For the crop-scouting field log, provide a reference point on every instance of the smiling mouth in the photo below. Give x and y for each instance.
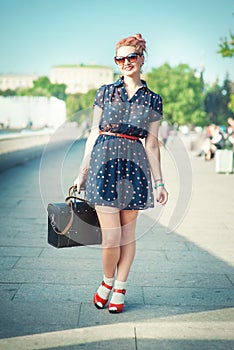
(128, 68)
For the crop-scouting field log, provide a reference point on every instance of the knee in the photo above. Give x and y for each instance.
(111, 239)
(128, 236)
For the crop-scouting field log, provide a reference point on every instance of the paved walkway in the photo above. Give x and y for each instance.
(180, 291)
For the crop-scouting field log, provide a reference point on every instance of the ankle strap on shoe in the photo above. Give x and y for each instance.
(106, 285)
(122, 291)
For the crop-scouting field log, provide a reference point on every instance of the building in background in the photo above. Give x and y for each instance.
(81, 78)
(17, 112)
(16, 81)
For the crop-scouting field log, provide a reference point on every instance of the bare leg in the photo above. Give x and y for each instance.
(109, 219)
(128, 243)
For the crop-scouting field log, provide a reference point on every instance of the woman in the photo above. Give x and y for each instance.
(117, 174)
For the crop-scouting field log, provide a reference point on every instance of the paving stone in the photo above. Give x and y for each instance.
(74, 338)
(158, 344)
(54, 293)
(76, 265)
(231, 278)
(30, 203)
(63, 293)
(102, 345)
(30, 317)
(151, 254)
(23, 242)
(157, 245)
(133, 312)
(186, 256)
(51, 276)
(219, 267)
(84, 252)
(20, 251)
(188, 296)
(8, 291)
(189, 333)
(30, 213)
(7, 262)
(171, 279)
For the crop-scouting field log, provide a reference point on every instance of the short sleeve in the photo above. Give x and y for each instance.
(99, 99)
(156, 108)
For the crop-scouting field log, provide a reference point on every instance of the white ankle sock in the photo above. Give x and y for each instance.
(104, 292)
(118, 298)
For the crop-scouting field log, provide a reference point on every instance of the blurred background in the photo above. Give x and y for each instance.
(55, 54)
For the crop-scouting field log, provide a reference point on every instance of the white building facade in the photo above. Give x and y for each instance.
(20, 111)
(81, 78)
(13, 82)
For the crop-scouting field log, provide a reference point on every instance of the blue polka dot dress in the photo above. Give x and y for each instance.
(119, 174)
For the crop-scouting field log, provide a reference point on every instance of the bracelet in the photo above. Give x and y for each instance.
(159, 185)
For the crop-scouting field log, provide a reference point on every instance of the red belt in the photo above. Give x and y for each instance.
(124, 136)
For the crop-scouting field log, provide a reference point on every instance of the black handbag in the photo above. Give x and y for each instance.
(73, 223)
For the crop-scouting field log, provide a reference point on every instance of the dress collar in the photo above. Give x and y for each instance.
(120, 82)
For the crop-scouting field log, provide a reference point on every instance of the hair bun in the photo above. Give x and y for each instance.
(138, 37)
(135, 40)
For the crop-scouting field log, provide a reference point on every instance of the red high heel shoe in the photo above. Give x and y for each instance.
(116, 308)
(98, 301)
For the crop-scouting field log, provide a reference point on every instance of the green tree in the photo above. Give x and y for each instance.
(58, 90)
(43, 87)
(39, 91)
(226, 46)
(77, 104)
(182, 91)
(217, 102)
(7, 92)
(42, 82)
(231, 103)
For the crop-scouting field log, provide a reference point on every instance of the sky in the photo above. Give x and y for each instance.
(38, 34)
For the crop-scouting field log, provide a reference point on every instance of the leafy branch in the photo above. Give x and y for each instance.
(227, 46)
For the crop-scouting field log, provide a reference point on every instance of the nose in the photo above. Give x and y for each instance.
(126, 59)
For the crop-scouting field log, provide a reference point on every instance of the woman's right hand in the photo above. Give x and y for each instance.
(80, 181)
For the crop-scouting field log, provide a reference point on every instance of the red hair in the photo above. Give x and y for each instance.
(135, 40)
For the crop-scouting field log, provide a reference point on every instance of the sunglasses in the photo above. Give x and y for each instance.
(132, 58)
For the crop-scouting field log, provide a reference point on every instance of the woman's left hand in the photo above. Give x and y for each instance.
(162, 195)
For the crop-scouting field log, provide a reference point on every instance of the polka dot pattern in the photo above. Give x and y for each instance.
(119, 173)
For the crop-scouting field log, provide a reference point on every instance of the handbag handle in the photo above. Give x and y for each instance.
(72, 196)
(75, 197)
(72, 215)
(71, 190)
(68, 226)
(69, 223)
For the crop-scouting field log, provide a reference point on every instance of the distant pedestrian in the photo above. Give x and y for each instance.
(164, 132)
(118, 172)
(214, 141)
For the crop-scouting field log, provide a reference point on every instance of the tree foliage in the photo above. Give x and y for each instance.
(182, 92)
(218, 102)
(231, 103)
(7, 92)
(43, 87)
(79, 102)
(226, 46)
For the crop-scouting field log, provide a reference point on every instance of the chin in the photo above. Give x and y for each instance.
(129, 73)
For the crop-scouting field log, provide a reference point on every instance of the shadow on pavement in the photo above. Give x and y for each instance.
(42, 289)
